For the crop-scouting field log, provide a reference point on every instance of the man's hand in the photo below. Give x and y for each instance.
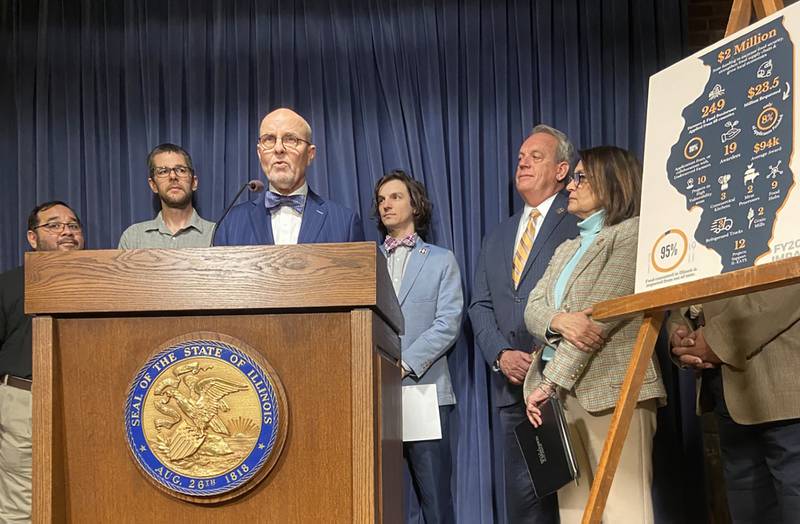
(514, 364)
(532, 406)
(692, 349)
(579, 330)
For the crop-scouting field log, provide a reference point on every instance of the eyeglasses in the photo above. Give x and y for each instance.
(180, 171)
(578, 178)
(58, 227)
(269, 141)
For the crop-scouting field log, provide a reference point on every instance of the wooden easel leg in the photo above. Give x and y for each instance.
(742, 12)
(621, 421)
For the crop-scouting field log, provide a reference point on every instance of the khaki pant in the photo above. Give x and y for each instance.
(629, 500)
(15, 454)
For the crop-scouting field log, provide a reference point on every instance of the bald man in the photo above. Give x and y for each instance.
(290, 212)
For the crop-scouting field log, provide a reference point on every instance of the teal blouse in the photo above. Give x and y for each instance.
(589, 228)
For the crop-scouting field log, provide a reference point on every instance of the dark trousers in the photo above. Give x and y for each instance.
(761, 463)
(522, 505)
(430, 463)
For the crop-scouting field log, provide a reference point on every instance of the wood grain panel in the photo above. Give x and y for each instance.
(767, 276)
(48, 472)
(312, 480)
(210, 279)
(365, 495)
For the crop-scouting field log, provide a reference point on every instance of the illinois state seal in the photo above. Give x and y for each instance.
(205, 417)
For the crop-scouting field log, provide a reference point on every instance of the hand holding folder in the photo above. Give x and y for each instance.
(547, 449)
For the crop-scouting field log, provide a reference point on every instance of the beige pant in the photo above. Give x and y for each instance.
(15, 454)
(629, 500)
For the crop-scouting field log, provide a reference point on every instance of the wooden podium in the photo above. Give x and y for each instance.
(324, 316)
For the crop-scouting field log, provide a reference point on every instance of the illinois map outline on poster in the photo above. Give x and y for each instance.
(744, 128)
(730, 163)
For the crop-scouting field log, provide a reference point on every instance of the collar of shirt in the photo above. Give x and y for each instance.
(158, 224)
(302, 190)
(591, 225)
(543, 208)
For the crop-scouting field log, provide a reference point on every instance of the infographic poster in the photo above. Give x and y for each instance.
(719, 178)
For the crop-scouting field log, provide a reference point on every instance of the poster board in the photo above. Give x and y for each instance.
(719, 191)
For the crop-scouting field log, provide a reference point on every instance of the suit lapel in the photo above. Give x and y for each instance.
(595, 249)
(509, 241)
(416, 259)
(314, 216)
(558, 210)
(261, 222)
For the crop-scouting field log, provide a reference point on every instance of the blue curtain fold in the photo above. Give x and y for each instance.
(446, 89)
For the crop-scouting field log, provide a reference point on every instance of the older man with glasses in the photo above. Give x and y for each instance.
(177, 225)
(290, 212)
(52, 226)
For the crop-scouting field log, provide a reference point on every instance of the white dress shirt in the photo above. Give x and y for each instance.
(286, 221)
(543, 208)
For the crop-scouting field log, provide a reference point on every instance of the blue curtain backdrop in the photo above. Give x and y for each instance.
(446, 89)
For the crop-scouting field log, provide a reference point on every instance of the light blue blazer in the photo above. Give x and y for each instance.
(432, 303)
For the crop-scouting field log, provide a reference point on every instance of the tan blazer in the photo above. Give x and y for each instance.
(757, 336)
(605, 271)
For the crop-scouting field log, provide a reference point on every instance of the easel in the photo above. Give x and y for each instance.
(654, 304)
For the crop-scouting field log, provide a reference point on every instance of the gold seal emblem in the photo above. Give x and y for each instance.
(206, 417)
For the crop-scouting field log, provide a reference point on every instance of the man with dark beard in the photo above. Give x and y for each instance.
(177, 225)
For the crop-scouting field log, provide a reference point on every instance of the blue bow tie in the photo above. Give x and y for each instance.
(274, 201)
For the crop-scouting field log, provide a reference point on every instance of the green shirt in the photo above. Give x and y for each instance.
(155, 234)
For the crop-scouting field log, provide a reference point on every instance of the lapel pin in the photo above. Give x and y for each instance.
(560, 210)
(423, 250)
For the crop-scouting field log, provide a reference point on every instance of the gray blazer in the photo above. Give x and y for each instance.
(432, 303)
(605, 271)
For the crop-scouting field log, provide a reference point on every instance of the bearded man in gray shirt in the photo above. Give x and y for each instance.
(177, 225)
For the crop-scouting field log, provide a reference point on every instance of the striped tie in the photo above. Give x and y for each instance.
(524, 247)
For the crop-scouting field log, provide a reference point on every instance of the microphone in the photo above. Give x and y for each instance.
(255, 186)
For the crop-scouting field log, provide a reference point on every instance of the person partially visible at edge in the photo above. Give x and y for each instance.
(52, 226)
(512, 259)
(171, 177)
(746, 351)
(289, 212)
(585, 360)
(427, 283)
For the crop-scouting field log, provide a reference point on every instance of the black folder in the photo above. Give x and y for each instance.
(548, 450)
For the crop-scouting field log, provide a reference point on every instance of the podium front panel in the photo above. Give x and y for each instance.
(92, 362)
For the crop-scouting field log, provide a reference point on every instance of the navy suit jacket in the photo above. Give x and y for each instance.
(249, 223)
(497, 309)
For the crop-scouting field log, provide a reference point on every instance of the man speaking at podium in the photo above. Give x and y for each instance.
(290, 212)
(52, 226)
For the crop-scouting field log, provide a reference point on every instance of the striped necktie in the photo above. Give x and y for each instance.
(524, 247)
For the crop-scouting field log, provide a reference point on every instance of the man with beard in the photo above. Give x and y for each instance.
(177, 225)
(290, 212)
(52, 226)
